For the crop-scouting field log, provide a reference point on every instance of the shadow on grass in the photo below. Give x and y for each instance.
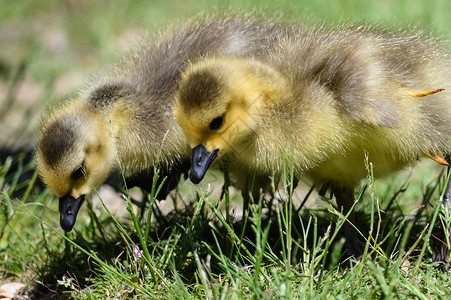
(201, 229)
(195, 230)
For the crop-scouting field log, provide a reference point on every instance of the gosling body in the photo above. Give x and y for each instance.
(322, 101)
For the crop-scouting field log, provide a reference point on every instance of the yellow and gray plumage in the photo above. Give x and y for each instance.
(320, 101)
(123, 117)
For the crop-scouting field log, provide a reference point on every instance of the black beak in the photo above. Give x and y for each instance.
(201, 160)
(68, 207)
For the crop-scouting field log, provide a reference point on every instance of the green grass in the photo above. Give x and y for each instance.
(198, 250)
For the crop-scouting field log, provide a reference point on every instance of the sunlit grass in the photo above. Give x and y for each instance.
(195, 252)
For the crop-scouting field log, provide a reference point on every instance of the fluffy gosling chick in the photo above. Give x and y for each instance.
(124, 117)
(321, 102)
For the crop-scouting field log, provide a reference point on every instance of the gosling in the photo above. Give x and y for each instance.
(321, 101)
(123, 119)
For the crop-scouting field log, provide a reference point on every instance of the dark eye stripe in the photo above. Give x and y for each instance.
(217, 123)
(78, 172)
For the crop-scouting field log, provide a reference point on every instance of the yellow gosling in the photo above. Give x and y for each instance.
(321, 101)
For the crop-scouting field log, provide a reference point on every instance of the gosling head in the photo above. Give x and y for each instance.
(218, 106)
(74, 156)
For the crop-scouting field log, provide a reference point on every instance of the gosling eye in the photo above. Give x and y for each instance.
(78, 173)
(216, 123)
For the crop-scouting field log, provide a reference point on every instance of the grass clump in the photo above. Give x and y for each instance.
(200, 250)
